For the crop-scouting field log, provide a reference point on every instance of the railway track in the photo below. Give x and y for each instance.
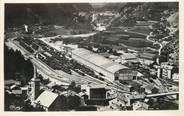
(67, 78)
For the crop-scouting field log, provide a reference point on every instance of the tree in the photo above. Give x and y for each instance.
(28, 107)
(16, 67)
(73, 101)
(73, 87)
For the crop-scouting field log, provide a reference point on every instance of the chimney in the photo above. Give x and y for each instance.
(26, 27)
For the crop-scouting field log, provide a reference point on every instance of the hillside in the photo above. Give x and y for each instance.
(116, 7)
(173, 19)
(164, 26)
(132, 12)
(58, 14)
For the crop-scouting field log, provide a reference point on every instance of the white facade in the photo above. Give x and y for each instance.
(175, 77)
(46, 99)
(166, 71)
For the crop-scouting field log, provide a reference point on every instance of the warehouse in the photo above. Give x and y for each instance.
(99, 64)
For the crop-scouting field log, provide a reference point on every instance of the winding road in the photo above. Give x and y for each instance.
(148, 38)
(156, 42)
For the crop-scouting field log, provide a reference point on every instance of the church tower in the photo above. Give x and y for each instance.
(34, 86)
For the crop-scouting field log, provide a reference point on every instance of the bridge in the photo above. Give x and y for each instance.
(163, 94)
(142, 96)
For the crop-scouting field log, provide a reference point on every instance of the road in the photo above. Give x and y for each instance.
(78, 35)
(156, 42)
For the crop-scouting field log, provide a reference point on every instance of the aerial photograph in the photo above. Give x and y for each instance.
(112, 56)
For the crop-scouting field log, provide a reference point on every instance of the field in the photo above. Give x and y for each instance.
(120, 37)
(137, 42)
(141, 29)
(61, 31)
(126, 38)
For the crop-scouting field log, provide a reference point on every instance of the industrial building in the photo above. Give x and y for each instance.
(98, 94)
(109, 69)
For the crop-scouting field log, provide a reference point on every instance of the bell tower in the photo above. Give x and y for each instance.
(34, 86)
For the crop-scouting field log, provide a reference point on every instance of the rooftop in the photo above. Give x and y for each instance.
(147, 55)
(98, 60)
(46, 98)
(127, 56)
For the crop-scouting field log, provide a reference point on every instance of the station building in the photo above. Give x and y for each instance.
(109, 69)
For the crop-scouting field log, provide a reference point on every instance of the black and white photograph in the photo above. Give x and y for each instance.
(109, 56)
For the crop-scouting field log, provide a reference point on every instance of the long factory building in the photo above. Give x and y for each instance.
(111, 70)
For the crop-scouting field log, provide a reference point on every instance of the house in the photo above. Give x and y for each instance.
(49, 101)
(24, 90)
(51, 84)
(175, 77)
(166, 70)
(130, 98)
(129, 57)
(10, 82)
(149, 89)
(15, 89)
(140, 106)
(146, 58)
(173, 88)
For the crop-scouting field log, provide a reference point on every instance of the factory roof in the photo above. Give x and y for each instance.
(98, 60)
